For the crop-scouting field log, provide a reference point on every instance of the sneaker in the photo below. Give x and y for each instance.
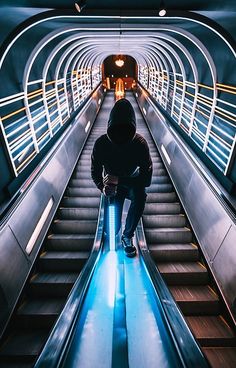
(129, 248)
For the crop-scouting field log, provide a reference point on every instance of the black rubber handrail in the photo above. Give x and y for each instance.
(53, 352)
(187, 347)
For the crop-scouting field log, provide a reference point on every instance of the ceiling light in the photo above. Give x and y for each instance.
(119, 62)
(80, 5)
(162, 9)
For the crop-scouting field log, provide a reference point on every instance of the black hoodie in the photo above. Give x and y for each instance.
(122, 152)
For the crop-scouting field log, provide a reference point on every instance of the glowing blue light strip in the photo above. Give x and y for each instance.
(112, 234)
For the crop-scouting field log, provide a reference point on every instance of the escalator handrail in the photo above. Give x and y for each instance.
(53, 351)
(187, 347)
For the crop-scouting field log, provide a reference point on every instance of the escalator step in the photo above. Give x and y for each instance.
(82, 175)
(169, 235)
(82, 183)
(89, 194)
(78, 213)
(196, 300)
(160, 180)
(24, 344)
(52, 284)
(62, 261)
(70, 242)
(162, 208)
(161, 197)
(155, 221)
(159, 173)
(211, 330)
(74, 226)
(160, 188)
(221, 357)
(158, 165)
(183, 273)
(174, 252)
(79, 201)
(39, 312)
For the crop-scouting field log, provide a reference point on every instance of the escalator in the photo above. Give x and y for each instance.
(66, 250)
(177, 255)
(63, 256)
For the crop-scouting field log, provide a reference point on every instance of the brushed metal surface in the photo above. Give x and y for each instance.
(13, 267)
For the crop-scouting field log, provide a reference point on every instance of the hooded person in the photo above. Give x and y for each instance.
(121, 167)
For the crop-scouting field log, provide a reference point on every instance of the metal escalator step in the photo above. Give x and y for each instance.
(211, 331)
(82, 192)
(174, 252)
(82, 183)
(39, 312)
(162, 208)
(155, 221)
(158, 165)
(169, 235)
(52, 261)
(161, 197)
(82, 175)
(24, 344)
(196, 300)
(52, 283)
(221, 357)
(15, 363)
(84, 161)
(183, 273)
(156, 159)
(82, 168)
(159, 172)
(164, 179)
(74, 226)
(77, 213)
(70, 242)
(160, 188)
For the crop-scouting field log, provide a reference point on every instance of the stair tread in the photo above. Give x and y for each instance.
(71, 236)
(174, 247)
(189, 293)
(221, 357)
(181, 267)
(54, 278)
(41, 306)
(24, 342)
(65, 255)
(168, 229)
(210, 327)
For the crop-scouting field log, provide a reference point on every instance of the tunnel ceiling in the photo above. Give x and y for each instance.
(192, 49)
(200, 5)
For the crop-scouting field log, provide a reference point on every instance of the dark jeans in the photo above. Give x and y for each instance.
(137, 196)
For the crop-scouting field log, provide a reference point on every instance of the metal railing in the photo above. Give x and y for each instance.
(210, 121)
(29, 120)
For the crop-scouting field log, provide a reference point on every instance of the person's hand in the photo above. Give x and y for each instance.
(110, 180)
(109, 190)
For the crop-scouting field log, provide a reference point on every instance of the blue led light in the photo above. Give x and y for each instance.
(112, 234)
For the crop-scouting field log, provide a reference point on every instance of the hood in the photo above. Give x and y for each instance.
(122, 123)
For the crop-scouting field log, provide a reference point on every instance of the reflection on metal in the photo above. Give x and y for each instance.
(119, 89)
(87, 126)
(166, 154)
(39, 226)
(112, 234)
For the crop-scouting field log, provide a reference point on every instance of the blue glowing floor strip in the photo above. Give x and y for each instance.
(112, 234)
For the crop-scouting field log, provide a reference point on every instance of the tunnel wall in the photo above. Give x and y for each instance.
(43, 193)
(213, 223)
